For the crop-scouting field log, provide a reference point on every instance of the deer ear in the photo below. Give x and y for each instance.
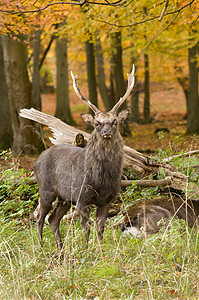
(88, 119)
(123, 115)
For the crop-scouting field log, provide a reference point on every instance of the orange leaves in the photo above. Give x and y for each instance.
(17, 18)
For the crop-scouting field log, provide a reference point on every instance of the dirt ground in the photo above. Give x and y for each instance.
(168, 110)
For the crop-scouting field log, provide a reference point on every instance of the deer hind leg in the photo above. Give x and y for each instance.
(45, 205)
(84, 220)
(54, 220)
(101, 215)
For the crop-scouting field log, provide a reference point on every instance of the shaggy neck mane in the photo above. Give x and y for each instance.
(104, 149)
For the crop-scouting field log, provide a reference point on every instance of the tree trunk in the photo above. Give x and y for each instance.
(101, 76)
(5, 118)
(63, 111)
(36, 75)
(135, 114)
(25, 139)
(118, 78)
(92, 84)
(183, 81)
(193, 99)
(146, 111)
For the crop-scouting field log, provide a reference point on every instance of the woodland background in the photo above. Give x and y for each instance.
(42, 41)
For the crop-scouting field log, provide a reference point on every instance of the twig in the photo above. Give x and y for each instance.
(78, 3)
(164, 10)
(161, 31)
(146, 20)
(193, 152)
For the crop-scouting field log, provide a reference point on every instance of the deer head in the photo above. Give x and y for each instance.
(105, 123)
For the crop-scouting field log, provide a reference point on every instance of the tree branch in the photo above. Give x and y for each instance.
(189, 153)
(78, 3)
(148, 183)
(146, 20)
(161, 32)
(164, 9)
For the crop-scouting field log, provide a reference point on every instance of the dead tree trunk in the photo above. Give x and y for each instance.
(141, 164)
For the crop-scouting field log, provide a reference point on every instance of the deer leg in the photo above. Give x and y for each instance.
(54, 220)
(41, 214)
(45, 205)
(101, 215)
(84, 220)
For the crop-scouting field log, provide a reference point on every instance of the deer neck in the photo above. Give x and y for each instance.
(103, 163)
(104, 149)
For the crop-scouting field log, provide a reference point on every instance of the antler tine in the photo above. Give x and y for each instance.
(77, 91)
(131, 81)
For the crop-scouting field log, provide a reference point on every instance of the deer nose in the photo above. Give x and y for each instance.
(107, 132)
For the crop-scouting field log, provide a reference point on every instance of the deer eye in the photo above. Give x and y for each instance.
(97, 124)
(115, 122)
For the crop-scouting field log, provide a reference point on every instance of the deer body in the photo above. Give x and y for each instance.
(147, 215)
(83, 176)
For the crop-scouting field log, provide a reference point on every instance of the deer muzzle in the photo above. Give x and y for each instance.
(107, 132)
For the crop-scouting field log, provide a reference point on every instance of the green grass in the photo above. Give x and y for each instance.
(162, 266)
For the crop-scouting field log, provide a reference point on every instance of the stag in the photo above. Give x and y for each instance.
(147, 215)
(84, 177)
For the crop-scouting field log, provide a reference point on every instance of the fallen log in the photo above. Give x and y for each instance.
(140, 164)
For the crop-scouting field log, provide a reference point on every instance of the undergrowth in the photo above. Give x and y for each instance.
(161, 266)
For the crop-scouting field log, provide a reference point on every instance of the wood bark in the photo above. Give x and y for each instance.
(135, 114)
(25, 139)
(118, 77)
(5, 118)
(193, 98)
(140, 164)
(101, 76)
(63, 111)
(36, 75)
(146, 111)
(91, 76)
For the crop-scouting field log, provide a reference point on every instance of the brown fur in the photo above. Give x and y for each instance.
(81, 176)
(147, 215)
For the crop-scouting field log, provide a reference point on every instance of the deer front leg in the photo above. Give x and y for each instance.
(101, 216)
(84, 214)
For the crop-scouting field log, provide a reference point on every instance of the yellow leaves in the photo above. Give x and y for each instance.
(15, 22)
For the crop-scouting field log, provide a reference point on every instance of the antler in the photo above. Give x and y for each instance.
(131, 81)
(77, 91)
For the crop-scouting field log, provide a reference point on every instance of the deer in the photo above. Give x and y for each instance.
(84, 177)
(146, 217)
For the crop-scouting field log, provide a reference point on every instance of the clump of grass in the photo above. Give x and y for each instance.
(162, 266)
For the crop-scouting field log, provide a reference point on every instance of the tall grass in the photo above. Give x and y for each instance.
(162, 266)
